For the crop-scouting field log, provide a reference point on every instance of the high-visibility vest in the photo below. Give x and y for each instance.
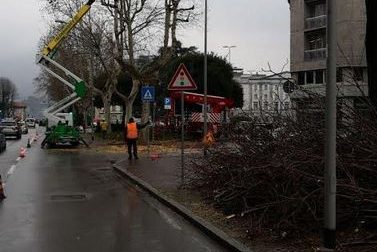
(131, 130)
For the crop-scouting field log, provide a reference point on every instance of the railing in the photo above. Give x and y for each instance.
(316, 22)
(316, 54)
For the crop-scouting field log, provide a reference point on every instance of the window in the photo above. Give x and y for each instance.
(255, 87)
(319, 76)
(315, 40)
(309, 77)
(316, 9)
(358, 74)
(276, 106)
(265, 105)
(255, 105)
(265, 97)
(255, 96)
(265, 87)
(286, 105)
(301, 78)
(339, 75)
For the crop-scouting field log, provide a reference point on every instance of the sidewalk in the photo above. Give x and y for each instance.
(162, 173)
(161, 178)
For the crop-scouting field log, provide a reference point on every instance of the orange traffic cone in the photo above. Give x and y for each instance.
(209, 139)
(22, 152)
(2, 194)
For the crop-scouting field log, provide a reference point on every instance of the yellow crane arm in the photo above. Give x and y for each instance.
(63, 33)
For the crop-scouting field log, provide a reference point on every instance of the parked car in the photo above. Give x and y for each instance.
(30, 122)
(3, 142)
(9, 127)
(23, 127)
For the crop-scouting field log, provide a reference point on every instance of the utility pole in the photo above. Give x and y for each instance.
(329, 230)
(229, 50)
(205, 116)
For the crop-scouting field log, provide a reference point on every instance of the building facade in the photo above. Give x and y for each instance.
(309, 42)
(116, 113)
(19, 110)
(264, 94)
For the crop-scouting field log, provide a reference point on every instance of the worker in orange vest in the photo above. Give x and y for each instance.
(131, 133)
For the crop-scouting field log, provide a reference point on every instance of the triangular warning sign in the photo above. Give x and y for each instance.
(182, 80)
(148, 95)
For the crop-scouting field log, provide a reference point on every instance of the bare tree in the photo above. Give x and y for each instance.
(8, 92)
(138, 25)
(104, 45)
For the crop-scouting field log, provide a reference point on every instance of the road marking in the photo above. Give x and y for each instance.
(18, 159)
(11, 170)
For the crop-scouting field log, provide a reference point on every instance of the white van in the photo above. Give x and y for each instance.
(30, 122)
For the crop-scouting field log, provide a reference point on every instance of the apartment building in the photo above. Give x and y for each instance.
(308, 49)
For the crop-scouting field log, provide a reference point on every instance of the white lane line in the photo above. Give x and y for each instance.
(11, 170)
(18, 159)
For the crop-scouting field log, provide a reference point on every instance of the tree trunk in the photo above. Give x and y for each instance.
(144, 118)
(106, 107)
(174, 25)
(167, 24)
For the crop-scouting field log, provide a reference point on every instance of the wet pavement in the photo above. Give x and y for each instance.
(8, 158)
(163, 173)
(72, 200)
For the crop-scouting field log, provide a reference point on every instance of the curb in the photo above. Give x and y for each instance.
(207, 228)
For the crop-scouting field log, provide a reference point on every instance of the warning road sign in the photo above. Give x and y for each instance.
(147, 94)
(182, 80)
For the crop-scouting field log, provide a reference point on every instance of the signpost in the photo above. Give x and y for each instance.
(167, 103)
(148, 95)
(182, 81)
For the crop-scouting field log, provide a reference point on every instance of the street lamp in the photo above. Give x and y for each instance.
(229, 48)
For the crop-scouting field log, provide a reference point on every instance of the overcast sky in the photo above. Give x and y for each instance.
(258, 28)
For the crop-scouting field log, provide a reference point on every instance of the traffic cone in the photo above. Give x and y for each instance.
(28, 143)
(2, 194)
(22, 152)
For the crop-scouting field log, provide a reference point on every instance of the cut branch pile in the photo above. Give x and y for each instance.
(273, 173)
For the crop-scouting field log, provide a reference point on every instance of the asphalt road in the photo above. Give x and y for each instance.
(72, 200)
(9, 157)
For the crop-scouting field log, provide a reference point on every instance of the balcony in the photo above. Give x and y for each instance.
(316, 22)
(316, 54)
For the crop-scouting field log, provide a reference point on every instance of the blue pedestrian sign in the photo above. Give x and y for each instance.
(147, 94)
(167, 103)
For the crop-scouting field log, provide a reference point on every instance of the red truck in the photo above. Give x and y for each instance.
(218, 110)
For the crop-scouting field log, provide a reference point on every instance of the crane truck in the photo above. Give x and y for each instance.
(60, 128)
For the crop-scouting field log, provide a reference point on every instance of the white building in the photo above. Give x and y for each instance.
(116, 113)
(264, 93)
